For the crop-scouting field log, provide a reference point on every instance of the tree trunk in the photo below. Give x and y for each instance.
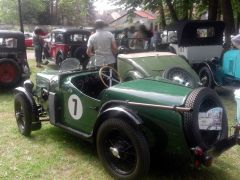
(212, 9)
(51, 12)
(237, 23)
(162, 15)
(172, 10)
(228, 20)
(185, 9)
(219, 11)
(190, 11)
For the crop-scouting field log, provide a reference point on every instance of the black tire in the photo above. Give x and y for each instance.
(59, 59)
(185, 77)
(10, 73)
(202, 100)
(206, 78)
(134, 162)
(81, 55)
(23, 114)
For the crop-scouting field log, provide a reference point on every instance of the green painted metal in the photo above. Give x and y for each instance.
(154, 65)
(164, 125)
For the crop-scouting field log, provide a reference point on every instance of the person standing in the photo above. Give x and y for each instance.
(38, 45)
(102, 44)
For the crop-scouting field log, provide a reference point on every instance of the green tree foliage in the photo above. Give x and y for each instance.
(58, 12)
(8, 11)
(31, 11)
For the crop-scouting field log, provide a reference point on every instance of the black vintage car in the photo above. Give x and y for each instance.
(13, 59)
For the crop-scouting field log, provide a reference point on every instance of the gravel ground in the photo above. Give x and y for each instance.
(30, 54)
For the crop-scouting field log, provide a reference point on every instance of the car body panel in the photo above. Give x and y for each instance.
(137, 90)
(151, 64)
(230, 63)
(195, 55)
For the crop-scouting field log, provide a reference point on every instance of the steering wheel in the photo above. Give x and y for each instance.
(109, 76)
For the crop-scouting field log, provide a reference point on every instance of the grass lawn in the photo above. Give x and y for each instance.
(51, 153)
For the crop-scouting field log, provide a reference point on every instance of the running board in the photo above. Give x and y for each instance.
(75, 132)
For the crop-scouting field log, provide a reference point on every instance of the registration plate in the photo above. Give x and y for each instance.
(210, 120)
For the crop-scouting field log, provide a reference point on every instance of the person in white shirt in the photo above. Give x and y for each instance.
(102, 44)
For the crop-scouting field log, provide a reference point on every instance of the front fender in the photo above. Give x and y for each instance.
(214, 70)
(134, 75)
(32, 102)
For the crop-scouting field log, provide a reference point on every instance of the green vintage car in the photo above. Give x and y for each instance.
(157, 64)
(126, 120)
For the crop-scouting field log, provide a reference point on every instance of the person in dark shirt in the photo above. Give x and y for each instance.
(38, 45)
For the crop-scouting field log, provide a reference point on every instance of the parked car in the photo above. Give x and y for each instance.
(28, 39)
(222, 71)
(126, 120)
(196, 40)
(156, 64)
(65, 43)
(144, 62)
(13, 59)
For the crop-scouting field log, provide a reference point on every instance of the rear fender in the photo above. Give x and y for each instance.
(117, 112)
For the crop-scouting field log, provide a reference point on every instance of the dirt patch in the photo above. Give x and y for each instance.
(30, 55)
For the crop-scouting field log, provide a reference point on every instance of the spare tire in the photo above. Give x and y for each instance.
(180, 76)
(10, 73)
(199, 129)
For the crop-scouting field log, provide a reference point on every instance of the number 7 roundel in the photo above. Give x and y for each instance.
(75, 107)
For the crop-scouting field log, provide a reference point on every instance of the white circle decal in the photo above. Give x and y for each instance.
(75, 107)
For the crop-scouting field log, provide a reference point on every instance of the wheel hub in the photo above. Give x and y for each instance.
(115, 152)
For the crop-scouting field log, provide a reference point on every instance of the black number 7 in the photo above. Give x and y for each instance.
(75, 106)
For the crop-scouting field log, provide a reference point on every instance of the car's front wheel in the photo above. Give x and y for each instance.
(122, 149)
(22, 114)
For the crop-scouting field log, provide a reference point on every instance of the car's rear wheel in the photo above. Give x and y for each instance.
(10, 73)
(22, 114)
(181, 76)
(203, 129)
(206, 77)
(122, 149)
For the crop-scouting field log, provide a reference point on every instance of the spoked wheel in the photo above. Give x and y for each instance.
(180, 76)
(109, 76)
(206, 77)
(22, 114)
(10, 73)
(122, 149)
